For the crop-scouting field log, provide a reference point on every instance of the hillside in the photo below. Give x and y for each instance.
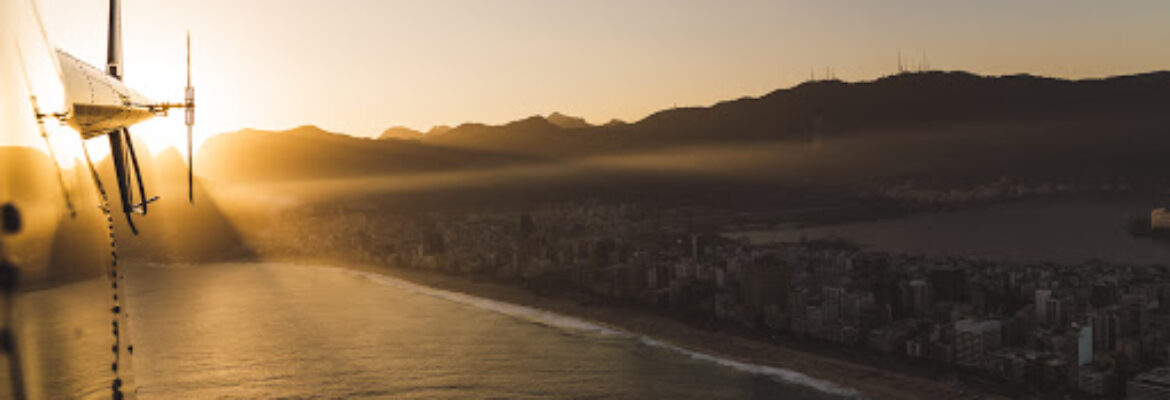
(931, 99)
(945, 128)
(530, 135)
(815, 109)
(400, 132)
(308, 152)
(567, 122)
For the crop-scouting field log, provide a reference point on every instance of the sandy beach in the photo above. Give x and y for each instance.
(871, 381)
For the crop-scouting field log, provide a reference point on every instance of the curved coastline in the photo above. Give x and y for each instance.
(827, 374)
(553, 319)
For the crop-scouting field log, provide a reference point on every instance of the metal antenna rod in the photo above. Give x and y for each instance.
(189, 112)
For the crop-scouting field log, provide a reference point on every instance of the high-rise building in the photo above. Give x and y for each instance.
(1134, 313)
(1042, 296)
(765, 283)
(920, 296)
(1106, 327)
(797, 303)
(833, 298)
(1084, 345)
(974, 339)
(1057, 311)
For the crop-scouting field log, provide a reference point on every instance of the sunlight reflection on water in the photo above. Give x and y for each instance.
(289, 331)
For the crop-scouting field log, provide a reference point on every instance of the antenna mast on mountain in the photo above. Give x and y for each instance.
(901, 68)
(923, 63)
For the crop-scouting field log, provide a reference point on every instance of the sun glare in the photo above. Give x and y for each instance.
(159, 134)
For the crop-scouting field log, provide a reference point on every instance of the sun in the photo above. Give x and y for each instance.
(161, 133)
(157, 135)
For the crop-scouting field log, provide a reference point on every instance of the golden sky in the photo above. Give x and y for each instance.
(360, 66)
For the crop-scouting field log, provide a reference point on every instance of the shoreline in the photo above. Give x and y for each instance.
(556, 320)
(750, 355)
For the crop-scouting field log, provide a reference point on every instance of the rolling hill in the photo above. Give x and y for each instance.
(933, 125)
(308, 152)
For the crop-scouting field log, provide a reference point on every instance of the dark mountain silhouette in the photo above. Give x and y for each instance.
(944, 126)
(438, 130)
(615, 122)
(813, 109)
(567, 122)
(400, 132)
(517, 136)
(907, 101)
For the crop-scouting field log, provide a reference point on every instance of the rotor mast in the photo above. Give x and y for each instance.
(114, 41)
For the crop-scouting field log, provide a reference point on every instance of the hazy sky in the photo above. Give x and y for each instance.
(360, 66)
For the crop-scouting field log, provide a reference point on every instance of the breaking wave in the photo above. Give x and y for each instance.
(560, 321)
(785, 375)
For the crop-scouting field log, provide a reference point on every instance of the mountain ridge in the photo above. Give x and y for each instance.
(567, 122)
(930, 105)
(824, 107)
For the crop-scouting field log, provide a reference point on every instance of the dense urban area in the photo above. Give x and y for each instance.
(1092, 330)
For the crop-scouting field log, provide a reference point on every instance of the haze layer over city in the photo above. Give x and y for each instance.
(615, 200)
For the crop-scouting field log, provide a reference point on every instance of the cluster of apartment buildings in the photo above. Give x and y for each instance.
(1093, 328)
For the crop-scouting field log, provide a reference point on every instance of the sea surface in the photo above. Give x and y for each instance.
(1059, 230)
(272, 330)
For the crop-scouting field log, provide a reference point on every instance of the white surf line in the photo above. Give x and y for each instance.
(561, 321)
(783, 374)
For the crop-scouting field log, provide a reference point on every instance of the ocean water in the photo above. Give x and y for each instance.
(65, 338)
(247, 331)
(1058, 230)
